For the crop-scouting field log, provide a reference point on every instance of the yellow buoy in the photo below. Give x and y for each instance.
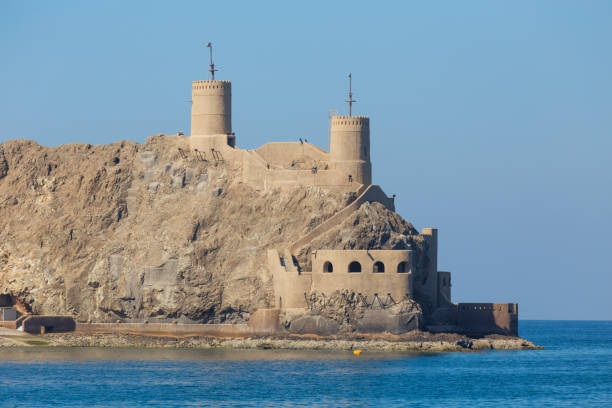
(357, 352)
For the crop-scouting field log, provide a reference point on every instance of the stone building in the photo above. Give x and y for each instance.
(346, 166)
(386, 276)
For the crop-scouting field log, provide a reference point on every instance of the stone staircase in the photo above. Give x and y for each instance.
(365, 193)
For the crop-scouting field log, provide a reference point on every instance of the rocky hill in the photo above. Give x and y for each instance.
(146, 231)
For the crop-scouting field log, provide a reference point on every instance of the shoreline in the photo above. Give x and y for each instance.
(412, 342)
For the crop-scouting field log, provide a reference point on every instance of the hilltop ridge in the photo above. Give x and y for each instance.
(151, 232)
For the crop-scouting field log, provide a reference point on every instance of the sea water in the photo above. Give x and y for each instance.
(574, 370)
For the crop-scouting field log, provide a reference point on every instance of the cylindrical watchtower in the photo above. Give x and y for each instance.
(211, 113)
(350, 148)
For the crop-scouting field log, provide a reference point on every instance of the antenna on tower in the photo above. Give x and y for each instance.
(350, 100)
(212, 69)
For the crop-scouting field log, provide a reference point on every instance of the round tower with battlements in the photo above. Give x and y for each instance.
(211, 114)
(350, 148)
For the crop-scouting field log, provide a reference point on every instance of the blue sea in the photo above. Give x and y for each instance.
(575, 370)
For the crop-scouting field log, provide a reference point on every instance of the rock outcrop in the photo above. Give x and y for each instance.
(3, 164)
(147, 231)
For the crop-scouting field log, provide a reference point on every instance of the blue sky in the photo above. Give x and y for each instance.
(490, 120)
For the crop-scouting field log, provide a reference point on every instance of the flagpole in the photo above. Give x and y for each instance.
(212, 64)
(350, 100)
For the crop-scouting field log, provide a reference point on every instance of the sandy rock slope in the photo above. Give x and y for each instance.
(143, 231)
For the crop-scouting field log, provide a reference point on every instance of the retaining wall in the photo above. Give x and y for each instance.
(264, 321)
(9, 325)
(480, 318)
(217, 330)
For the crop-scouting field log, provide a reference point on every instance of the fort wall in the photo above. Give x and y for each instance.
(428, 283)
(381, 272)
(292, 163)
(9, 324)
(320, 178)
(254, 169)
(444, 289)
(378, 272)
(265, 321)
(289, 283)
(283, 153)
(478, 318)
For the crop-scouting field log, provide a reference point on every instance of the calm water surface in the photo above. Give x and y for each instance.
(574, 370)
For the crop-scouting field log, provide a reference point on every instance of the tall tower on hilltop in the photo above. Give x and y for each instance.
(350, 148)
(211, 112)
(350, 145)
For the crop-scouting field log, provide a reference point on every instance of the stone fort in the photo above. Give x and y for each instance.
(383, 275)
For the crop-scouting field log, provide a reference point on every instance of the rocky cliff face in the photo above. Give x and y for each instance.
(146, 231)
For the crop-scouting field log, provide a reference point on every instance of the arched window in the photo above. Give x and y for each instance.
(402, 267)
(354, 267)
(379, 267)
(328, 267)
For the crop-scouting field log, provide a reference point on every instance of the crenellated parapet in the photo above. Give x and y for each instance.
(351, 121)
(207, 87)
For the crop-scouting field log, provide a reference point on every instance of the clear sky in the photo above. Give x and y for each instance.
(490, 120)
